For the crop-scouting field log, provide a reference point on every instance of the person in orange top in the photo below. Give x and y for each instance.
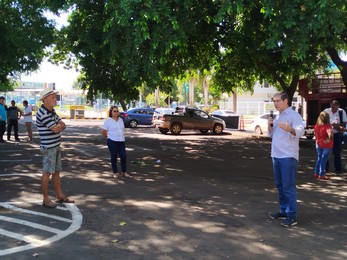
(324, 144)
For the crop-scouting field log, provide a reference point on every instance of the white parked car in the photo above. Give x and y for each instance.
(259, 125)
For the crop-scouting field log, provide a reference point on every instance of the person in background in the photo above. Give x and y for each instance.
(27, 114)
(50, 127)
(300, 110)
(13, 115)
(285, 130)
(338, 120)
(344, 137)
(323, 132)
(3, 118)
(113, 131)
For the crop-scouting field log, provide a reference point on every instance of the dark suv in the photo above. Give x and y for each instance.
(137, 116)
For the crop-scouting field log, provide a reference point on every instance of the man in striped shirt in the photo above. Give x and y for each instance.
(50, 126)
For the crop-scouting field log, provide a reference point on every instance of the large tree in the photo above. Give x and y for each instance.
(24, 34)
(319, 26)
(253, 50)
(123, 44)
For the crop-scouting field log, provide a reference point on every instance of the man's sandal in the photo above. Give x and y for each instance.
(65, 200)
(49, 204)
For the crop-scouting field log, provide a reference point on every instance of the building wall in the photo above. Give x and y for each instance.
(258, 102)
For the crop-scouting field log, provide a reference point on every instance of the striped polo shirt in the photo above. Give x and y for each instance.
(45, 119)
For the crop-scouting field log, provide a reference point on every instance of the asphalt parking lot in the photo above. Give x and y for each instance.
(192, 196)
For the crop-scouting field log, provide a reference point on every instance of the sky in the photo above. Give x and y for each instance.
(50, 73)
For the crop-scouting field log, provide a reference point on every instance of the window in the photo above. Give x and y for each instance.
(200, 114)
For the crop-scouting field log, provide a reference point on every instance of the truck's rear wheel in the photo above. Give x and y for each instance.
(217, 129)
(176, 129)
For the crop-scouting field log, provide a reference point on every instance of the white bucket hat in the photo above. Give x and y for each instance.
(46, 92)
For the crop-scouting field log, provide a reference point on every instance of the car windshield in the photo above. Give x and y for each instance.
(198, 113)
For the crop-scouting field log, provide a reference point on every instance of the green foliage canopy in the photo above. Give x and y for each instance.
(24, 34)
(124, 44)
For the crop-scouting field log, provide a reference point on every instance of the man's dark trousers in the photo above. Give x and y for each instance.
(2, 129)
(14, 123)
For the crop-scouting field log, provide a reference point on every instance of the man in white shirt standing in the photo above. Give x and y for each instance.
(28, 119)
(338, 120)
(285, 130)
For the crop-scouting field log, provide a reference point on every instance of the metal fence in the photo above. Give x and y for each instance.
(248, 108)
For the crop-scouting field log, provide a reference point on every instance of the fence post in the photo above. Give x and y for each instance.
(242, 124)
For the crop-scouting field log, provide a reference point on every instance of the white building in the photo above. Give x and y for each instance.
(256, 103)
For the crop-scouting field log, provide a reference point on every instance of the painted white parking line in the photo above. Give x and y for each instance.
(32, 242)
(28, 239)
(10, 151)
(20, 174)
(8, 205)
(17, 160)
(30, 224)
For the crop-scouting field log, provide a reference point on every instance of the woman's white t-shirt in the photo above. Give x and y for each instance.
(28, 118)
(115, 129)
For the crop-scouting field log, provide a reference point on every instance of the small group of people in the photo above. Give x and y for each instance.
(10, 116)
(50, 126)
(329, 130)
(286, 130)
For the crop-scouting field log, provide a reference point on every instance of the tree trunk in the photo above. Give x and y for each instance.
(124, 106)
(205, 87)
(290, 90)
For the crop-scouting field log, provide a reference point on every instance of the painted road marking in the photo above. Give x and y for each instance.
(30, 224)
(19, 174)
(10, 151)
(14, 160)
(17, 160)
(31, 240)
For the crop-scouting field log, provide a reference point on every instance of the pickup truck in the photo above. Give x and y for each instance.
(193, 119)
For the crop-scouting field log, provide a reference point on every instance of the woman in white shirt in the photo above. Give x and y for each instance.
(113, 131)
